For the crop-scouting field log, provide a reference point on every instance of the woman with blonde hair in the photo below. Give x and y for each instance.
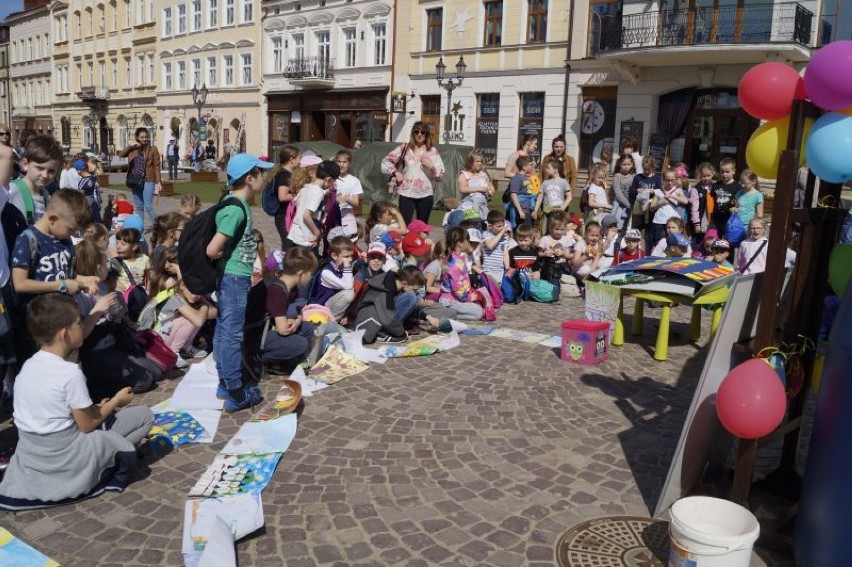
(413, 167)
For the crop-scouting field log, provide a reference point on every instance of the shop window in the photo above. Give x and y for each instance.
(531, 121)
(431, 114)
(487, 126)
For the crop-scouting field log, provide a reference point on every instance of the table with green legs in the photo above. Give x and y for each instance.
(715, 298)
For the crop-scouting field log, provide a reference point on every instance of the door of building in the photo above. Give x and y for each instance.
(717, 128)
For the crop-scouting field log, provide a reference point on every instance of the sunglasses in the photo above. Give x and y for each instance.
(5, 133)
(415, 132)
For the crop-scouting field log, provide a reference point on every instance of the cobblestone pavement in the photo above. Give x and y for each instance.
(483, 455)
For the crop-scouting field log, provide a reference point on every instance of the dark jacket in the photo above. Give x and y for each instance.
(376, 311)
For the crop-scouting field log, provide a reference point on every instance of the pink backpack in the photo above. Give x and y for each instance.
(290, 214)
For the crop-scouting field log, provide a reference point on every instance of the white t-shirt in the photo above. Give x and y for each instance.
(349, 185)
(667, 211)
(308, 199)
(558, 247)
(69, 179)
(46, 391)
(5, 271)
(599, 193)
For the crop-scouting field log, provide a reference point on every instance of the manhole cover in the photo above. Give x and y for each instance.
(616, 541)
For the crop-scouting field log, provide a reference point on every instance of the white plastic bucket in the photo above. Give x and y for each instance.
(711, 532)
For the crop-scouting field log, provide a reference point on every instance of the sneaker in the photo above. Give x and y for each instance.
(181, 363)
(390, 339)
(221, 392)
(251, 397)
(192, 352)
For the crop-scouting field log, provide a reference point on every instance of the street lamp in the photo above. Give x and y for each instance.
(449, 84)
(199, 98)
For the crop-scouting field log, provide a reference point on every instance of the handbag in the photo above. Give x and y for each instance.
(156, 349)
(136, 172)
(393, 184)
(135, 296)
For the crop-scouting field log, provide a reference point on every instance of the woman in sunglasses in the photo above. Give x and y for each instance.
(5, 136)
(412, 168)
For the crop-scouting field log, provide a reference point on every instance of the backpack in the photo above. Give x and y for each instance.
(148, 318)
(290, 215)
(515, 286)
(735, 231)
(135, 296)
(200, 273)
(543, 291)
(269, 199)
(584, 201)
(27, 198)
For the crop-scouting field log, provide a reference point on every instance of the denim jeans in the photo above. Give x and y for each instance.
(404, 305)
(228, 339)
(289, 347)
(143, 199)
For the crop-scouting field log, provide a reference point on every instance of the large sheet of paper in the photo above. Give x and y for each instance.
(230, 475)
(197, 390)
(335, 365)
(602, 303)
(242, 513)
(309, 385)
(260, 437)
(15, 552)
(220, 550)
(208, 418)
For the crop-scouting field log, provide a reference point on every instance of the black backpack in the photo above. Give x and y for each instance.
(200, 273)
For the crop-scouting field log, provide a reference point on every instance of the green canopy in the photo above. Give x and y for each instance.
(367, 166)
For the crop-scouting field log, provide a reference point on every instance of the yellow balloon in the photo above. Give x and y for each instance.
(766, 144)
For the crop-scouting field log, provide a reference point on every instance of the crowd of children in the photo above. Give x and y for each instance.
(79, 279)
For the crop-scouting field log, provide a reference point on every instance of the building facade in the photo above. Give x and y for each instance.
(328, 70)
(217, 44)
(5, 98)
(513, 54)
(30, 57)
(104, 81)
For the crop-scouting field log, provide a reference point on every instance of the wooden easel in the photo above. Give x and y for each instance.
(819, 227)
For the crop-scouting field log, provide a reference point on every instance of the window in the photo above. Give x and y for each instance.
(212, 13)
(487, 122)
(102, 73)
(122, 131)
(277, 55)
(91, 69)
(181, 18)
(114, 65)
(128, 21)
(298, 46)
(101, 19)
(349, 44)
(151, 69)
(531, 120)
(127, 74)
(114, 9)
(196, 15)
(434, 24)
(323, 45)
(181, 70)
(91, 19)
(140, 71)
(141, 18)
(167, 76)
(196, 72)
(246, 65)
(493, 22)
(167, 22)
(248, 11)
(211, 71)
(431, 113)
(380, 44)
(537, 21)
(228, 64)
(229, 12)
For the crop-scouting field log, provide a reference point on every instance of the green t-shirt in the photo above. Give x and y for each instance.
(228, 221)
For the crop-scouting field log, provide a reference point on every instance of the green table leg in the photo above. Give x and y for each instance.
(661, 350)
(618, 332)
(717, 319)
(695, 324)
(638, 317)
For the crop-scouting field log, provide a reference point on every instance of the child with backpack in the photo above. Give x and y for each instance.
(237, 250)
(521, 204)
(43, 159)
(523, 266)
(277, 194)
(177, 315)
(456, 290)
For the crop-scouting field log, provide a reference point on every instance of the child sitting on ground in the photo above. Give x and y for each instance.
(678, 245)
(165, 234)
(177, 315)
(390, 299)
(588, 252)
(335, 285)
(555, 249)
(384, 217)
(189, 206)
(496, 239)
(456, 290)
(523, 267)
(720, 249)
(68, 447)
(674, 225)
(631, 249)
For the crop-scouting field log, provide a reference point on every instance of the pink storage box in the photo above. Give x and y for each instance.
(584, 341)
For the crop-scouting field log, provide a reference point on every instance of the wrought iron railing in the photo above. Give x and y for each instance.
(757, 23)
(93, 93)
(310, 68)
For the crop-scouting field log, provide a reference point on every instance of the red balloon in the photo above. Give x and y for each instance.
(751, 400)
(767, 90)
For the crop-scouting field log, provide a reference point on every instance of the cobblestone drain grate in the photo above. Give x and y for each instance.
(616, 541)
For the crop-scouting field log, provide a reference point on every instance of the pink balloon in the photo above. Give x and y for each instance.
(828, 77)
(751, 401)
(767, 90)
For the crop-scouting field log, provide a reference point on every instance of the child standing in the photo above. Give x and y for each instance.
(641, 191)
(336, 286)
(749, 199)
(557, 193)
(349, 193)
(245, 175)
(41, 164)
(67, 443)
(622, 181)
(306, 228)
(699, 209)
(522, 205)
(751, 257)
(456, 290)
(598, 203)
(724, 195)
(475, 187)
(664, 204)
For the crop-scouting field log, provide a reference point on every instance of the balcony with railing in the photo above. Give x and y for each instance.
(310, 71)
(671, 37)
(93, 94)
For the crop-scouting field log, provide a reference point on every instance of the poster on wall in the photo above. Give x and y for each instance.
(532, 120)
(597, 125)
(487, 127)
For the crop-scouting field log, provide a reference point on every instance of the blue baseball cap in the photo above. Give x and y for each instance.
(134, 221)
(241, 164)
(677, 239)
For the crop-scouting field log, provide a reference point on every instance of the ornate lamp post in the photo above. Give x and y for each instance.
(449, 84)
(199, 99)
